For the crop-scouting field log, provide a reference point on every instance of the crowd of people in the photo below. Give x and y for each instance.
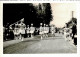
(21, 30)
(70, 33)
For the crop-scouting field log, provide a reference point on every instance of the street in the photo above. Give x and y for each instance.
(56, 44)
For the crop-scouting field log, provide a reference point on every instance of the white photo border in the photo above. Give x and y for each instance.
(39, 55)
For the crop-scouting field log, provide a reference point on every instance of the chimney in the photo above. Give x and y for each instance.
(72, 14)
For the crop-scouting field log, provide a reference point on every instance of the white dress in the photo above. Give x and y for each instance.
(28, 30)
(65, 33)
(44, 29)
(32, 30)
(22, 28)
(47, 29)
(52, 30)
(16, 31)
(41, 30)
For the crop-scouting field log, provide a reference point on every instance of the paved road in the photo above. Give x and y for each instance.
(55, 44)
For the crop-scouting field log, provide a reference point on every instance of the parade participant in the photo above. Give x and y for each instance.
(47, 30)
(28, 30)
(16, 31)
(70, 34)
(53, 30)
(61, 31)
(32, 29)
(41, 30)
(22, 29)
(44, 31)
(66, 31)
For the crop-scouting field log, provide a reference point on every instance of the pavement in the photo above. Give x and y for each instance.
(55, 44)
(11, 42)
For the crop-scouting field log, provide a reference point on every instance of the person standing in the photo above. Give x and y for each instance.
(66, 32)
(70, 34)
(16, 31)
(53, 30)
(32, 29)
(41, 31)
(44, 31)
(11, 33)
(47, 30)
(74, 32)
(22, 29)
(28, 30)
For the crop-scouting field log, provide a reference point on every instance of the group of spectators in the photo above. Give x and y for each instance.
(70, 33)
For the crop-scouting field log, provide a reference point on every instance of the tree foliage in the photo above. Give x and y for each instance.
(70, 23)
(32, 14)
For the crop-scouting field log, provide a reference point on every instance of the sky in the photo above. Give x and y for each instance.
(62, 13)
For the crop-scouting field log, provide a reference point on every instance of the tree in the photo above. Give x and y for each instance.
(48, 13)
(14, 12)
(31, 14)
(44, 13)
(70, 23)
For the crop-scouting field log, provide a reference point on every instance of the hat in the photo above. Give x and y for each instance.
(40, 23)
(31, 24)
(46, 25)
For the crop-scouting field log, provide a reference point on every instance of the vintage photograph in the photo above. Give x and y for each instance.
(38, 28)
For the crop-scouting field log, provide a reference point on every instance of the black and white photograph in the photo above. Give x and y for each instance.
(39, 28)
